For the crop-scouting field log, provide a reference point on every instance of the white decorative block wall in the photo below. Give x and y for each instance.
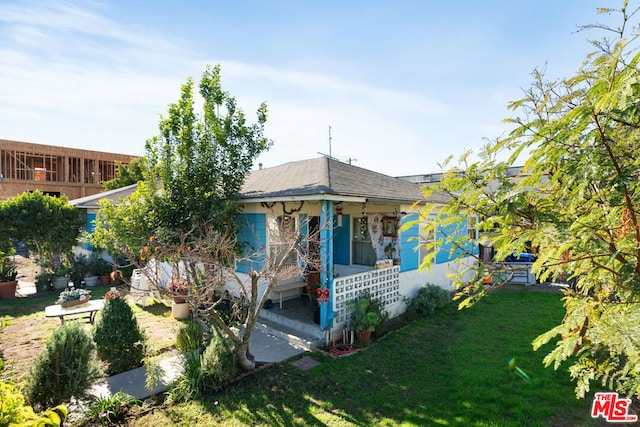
(383, 284)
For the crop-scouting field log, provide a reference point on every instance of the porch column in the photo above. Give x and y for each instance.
(326, 260)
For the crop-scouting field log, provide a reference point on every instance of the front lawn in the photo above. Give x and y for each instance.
(450, 369)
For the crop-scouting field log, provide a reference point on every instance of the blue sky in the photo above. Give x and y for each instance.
(402, 84)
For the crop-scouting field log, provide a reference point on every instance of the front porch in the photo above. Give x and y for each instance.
(295, 319)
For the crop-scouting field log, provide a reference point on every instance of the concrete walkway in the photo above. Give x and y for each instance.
(266, 347)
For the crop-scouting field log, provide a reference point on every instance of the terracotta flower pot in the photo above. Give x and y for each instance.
(363, 336)
(8, 289)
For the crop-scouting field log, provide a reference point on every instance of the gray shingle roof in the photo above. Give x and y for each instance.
(92, 202)
(314, 178)
(323, 176)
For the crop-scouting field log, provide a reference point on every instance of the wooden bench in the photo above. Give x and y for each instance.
(89, 308)
(281, 288)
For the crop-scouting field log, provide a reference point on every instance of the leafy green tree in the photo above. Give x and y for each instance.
(129, 174)
(196, 168)
(48, 223)
(575, 205)
(202, 160)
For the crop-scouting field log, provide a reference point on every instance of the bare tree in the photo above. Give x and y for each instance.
(206, 262)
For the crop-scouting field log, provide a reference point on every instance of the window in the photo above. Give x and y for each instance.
(363, 253)
(280, 234)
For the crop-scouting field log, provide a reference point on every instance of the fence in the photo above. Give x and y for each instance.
(383, 284)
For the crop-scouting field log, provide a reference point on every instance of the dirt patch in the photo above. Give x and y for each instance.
(23, 339)
(28, 268)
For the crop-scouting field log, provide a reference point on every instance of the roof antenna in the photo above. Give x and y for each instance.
(330, 157)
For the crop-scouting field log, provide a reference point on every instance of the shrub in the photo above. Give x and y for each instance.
(65, 369)
(120, 341)
(112, 409)
(190, 337)
(205, 371)
(427, 300)
(219, 363)
(14, 411)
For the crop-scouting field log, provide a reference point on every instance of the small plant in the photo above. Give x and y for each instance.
(65, 369)
(63, 268)
(427, 300)
(153, 375)
(178, 286)
(190, 384)
(190, 337)
(118, 337)
(80, 265)
(8, 272)
(362, 316)
(111, 409)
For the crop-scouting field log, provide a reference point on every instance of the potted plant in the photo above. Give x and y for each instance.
(91, 276)
(8, 282)
(73, 296)
(62, 271)
(179, 288)
(363, 319)
(103, 269)
(43, 282)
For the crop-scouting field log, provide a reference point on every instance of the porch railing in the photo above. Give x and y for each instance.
(383, 284)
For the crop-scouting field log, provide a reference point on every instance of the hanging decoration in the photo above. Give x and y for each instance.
(323, 295)
(292, 211)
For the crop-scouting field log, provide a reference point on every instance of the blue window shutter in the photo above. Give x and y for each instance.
(409, 253)
(91, 225)
(342, 240)
(253, 238)
(444, 234)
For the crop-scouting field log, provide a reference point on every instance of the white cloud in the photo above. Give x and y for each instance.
(72, 76)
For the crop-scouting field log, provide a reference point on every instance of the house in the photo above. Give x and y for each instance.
(358, 213)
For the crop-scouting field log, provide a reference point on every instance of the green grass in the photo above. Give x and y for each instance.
(450, 369)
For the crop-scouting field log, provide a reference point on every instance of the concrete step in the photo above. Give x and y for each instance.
(293, 332)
